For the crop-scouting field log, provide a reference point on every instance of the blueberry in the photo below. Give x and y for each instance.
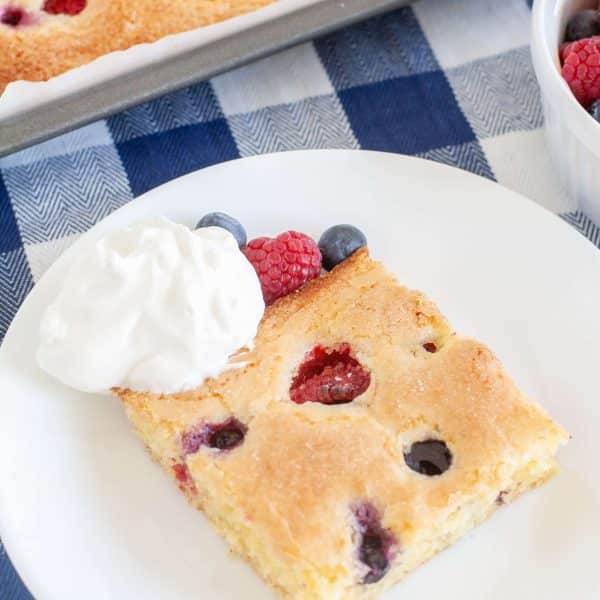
(376, 545)
(218, 219)
(583, 24)
(226, 438)
(338, 243)
(594, 110)
(429, 457)
(372, 553)
(221, 436)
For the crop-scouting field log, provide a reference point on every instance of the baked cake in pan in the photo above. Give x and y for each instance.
(43, 38)
(359, 437)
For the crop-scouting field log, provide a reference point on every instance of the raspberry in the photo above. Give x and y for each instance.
(563, 51)
(581, 69)
(330, 377)
(13, 16)
(183, 477)
(285, 263)
(181, 472)
(64, 7)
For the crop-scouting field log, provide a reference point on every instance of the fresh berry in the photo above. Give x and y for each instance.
(284, 263)
(64, 7)
(581, 69)
(219, 219)
(220, 436)
(429, 457)
(583, 24)
(329, 376)
(563, 51)
(376, 545)
(338, 243)
(594, 110)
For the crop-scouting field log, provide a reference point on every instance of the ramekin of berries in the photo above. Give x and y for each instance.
(565, 47)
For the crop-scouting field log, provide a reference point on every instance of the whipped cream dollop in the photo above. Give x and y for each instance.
(156, 307)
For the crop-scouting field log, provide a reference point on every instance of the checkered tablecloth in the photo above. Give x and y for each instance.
(448, 80)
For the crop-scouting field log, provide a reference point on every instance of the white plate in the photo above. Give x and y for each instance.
(84, 512)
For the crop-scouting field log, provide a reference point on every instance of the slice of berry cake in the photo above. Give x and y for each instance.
(43, 38)
(358, 438)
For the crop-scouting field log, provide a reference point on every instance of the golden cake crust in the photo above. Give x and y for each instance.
(284, 497)
(53, 44)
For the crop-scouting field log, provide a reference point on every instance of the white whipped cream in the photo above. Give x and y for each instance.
(155, 307)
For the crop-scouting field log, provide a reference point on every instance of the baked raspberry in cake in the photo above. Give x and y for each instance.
(359, 437)
(43, 38)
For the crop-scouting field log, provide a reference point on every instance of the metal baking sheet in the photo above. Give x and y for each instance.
(205, 61)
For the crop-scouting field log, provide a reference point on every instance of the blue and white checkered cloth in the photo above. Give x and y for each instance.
(451, 81)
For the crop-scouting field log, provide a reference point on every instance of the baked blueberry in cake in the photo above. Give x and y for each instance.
(358, 436)
(43, 38)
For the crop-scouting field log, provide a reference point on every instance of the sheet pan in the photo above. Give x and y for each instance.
(33, 112)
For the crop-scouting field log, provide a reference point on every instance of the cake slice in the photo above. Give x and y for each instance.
(358, 438)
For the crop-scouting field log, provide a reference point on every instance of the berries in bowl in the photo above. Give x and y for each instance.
(580, 57)
(565, 48)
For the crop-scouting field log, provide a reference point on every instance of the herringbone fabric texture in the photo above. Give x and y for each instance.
(447, 80)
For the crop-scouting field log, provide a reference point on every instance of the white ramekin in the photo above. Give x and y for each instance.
(573, 135)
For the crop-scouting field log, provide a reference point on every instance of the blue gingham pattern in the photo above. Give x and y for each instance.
(448, 81)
